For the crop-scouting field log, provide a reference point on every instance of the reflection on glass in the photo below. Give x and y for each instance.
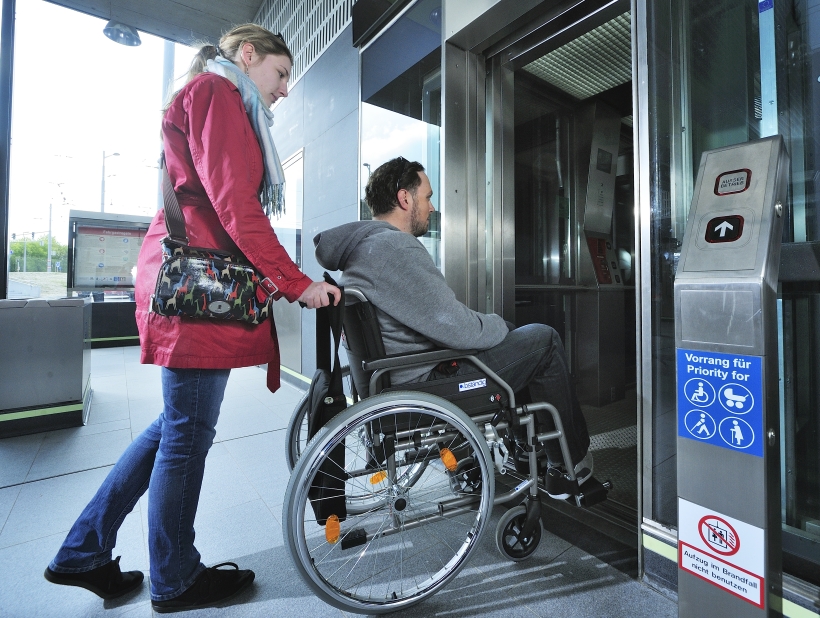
(401, 103)
(61, 129)
(714, 72)
(288, 226)
(574, 247)
(704, 93)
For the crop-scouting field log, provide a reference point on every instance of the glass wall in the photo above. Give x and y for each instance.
(85, 135)
(288, 228)
(401, 103)
(721, 73)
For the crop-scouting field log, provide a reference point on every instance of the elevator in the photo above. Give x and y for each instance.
(560, 241)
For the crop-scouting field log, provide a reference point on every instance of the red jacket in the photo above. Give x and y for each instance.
(215, 165)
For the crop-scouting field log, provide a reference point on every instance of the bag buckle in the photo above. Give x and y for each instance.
(269, 286)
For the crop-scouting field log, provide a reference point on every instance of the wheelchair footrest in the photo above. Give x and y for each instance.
(591, 492)
(558, 484)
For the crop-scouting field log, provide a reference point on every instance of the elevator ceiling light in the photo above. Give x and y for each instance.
(594, 62)
(122, 33)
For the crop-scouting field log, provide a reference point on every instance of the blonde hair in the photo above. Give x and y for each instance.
(263, 40)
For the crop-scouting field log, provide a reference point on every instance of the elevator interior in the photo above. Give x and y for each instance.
(575, 229)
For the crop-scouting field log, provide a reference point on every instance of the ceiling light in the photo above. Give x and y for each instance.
(122, 33)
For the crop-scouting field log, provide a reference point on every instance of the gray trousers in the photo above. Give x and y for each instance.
(532, 357)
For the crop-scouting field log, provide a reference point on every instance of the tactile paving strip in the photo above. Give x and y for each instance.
(625, 437)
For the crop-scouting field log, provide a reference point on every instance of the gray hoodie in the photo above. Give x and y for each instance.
(417, 310)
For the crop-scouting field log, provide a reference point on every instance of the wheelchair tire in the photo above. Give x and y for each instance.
(508, 535)
(417, 538)
(296, 436)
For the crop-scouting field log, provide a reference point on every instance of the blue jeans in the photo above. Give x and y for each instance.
(168, 459)
(532, 357)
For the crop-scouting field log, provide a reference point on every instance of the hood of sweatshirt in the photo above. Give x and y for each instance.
(334, 246)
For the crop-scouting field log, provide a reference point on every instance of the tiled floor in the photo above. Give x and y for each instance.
(46, 479)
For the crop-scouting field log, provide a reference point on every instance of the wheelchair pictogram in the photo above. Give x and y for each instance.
(736, 398)
(700, 424)
(699, 392)
(736, 432)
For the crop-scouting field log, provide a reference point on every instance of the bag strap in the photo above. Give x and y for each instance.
(174, 221)
(175, 226)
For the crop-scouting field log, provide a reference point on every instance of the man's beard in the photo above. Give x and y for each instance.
(418, 225)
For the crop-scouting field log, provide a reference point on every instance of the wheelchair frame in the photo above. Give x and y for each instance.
(519, 530)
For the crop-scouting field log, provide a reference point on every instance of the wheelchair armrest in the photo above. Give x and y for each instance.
(418, 358)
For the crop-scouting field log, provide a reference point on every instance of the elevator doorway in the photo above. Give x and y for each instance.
(567, 128)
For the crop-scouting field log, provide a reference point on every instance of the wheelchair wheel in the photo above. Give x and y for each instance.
(417, 535)
(296, 437)
(508, 537)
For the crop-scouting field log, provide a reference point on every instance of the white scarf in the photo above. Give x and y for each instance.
(261, 117)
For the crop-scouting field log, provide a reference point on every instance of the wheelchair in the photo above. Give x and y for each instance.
(418, 476)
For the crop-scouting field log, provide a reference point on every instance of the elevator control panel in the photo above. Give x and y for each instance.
(604, 261)
(728, 442)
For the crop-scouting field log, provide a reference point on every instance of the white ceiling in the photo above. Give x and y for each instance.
(183, 21)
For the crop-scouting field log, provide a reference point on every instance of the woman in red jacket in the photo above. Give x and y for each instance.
(229, 181)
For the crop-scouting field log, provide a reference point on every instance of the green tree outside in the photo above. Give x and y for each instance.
(36, 254)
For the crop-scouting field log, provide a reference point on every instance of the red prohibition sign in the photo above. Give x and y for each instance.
(719, 535)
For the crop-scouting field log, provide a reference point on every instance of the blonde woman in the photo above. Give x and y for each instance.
(228, 179)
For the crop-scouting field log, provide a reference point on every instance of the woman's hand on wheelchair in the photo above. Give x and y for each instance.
(319, 294)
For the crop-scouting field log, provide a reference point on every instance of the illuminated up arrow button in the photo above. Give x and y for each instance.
(724, 229)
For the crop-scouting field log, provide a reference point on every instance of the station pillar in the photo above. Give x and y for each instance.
(728, 457)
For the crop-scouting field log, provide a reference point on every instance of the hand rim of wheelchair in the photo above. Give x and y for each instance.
(297, 504)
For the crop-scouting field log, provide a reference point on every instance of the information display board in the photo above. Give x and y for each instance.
(106, 257)
(103, 249)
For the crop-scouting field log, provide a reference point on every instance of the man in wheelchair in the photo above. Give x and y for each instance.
(417, 311)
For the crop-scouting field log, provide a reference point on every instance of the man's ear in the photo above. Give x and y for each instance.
(404, 199)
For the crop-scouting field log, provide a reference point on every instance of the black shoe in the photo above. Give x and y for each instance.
(521, 460)
(210, 588)
(106, 581)
(557, 481)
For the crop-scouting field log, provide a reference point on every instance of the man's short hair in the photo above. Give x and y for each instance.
(386, 181)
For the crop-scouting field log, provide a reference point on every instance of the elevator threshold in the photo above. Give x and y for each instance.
(613, 519)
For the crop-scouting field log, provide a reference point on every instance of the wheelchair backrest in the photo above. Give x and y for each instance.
(364, 343)
(363, 338)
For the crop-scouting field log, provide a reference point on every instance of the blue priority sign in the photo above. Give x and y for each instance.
(720, 400)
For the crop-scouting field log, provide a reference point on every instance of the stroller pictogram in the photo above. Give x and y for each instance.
(736, 398)
(734, 401)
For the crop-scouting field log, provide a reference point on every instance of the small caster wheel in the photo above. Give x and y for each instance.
(508, 535)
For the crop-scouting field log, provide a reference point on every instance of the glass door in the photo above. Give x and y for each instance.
(561, 115)
(722, 73)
